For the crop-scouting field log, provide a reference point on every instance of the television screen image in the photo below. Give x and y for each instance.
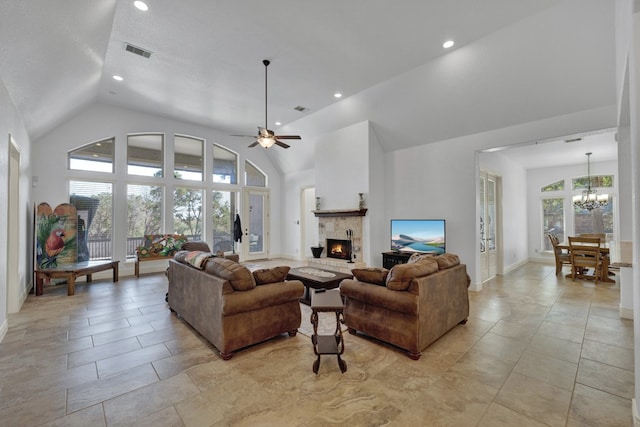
(418, 235)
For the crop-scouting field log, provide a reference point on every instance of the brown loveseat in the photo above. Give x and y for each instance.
(229, 305)
(409, 306)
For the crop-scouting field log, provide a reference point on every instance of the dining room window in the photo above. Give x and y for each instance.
(552, 220)
(597, 221)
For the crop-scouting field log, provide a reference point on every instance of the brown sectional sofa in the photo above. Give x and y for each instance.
(219, 298)
(409, 306)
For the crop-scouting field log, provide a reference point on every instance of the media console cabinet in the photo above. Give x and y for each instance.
(391, 258)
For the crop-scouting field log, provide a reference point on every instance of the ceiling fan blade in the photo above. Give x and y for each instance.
(245, 136)
(254, 144)
(282, 144)
(288, 136)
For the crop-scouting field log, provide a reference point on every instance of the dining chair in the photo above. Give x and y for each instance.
(585, 253)
(601, 236)
(561, 256)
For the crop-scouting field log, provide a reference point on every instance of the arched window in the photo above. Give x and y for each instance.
(94, 157)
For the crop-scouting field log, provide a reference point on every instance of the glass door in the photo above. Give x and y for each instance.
(488, 229)
(255, 224)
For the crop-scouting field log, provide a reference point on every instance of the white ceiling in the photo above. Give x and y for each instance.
(559, 152)
(514, 61)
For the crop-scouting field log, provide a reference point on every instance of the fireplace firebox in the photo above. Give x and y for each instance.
(340, 249)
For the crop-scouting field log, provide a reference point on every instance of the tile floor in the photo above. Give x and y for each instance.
(538, 350)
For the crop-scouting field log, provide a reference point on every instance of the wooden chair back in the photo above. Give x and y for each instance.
(601, 236)
(585, 253)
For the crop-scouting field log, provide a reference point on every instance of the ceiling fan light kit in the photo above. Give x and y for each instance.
(266, 137)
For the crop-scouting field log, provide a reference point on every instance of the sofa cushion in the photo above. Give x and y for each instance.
(198, 245)
(265, 276)
(377, 276)
(447, 261)
(378, 296)
(262, 296)
(400, 275)
(418, 256)
(238, 275)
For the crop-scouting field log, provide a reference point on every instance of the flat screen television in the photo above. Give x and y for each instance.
(418, 235)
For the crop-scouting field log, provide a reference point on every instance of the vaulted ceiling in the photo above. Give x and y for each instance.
(513, 61)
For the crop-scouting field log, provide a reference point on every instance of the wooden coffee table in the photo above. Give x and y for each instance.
(317, 279)
(71, 271)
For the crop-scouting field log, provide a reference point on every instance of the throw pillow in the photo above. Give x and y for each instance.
(447, 261)
(238, 275)
(198, 258)
(377, 276)
(401, 275)
(265, 276)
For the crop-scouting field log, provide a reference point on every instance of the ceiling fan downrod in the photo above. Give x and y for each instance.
(266, 63)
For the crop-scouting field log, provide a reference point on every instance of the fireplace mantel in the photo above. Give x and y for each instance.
(341, 212)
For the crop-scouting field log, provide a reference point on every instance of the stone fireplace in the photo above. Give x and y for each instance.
(339, 249)
(334, 226)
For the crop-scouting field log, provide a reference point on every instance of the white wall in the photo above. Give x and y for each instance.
(12, 124)
(101, 121)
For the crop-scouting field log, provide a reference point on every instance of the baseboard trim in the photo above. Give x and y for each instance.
(626, 313)
(3, 329)
(475, 287)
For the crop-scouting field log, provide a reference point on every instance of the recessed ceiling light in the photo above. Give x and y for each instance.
(448, 44)
(337, 95)
(118, 78)
(141, 5)
(278, 123)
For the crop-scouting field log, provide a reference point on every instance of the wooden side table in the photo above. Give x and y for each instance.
(327, 301)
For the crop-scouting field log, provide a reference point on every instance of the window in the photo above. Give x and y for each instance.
(597, 221)
(94, 157)
(187, 158)
(223, 210)
(556, 186)
(94, 204)
(144, 214)
(145, 154)
(225, 165)
(253, 176)
(187, 213)
(602, 181)
(552, 220)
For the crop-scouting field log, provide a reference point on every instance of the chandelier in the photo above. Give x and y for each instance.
(589, 200)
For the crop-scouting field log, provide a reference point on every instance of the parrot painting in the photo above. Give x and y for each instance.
(55, 244)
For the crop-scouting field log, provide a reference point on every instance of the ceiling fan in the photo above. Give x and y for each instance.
(266, 137)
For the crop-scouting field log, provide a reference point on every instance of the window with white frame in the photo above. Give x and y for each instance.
(144, 214)
(225, 165)
(187, 212)
(552, 220)
(188, 158)
(223, 210)
(94, 204)
(94, 157)
(254, 176)
(145, 154)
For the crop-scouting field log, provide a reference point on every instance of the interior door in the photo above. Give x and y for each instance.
(488, 226)
(255, 224)
(15, 294)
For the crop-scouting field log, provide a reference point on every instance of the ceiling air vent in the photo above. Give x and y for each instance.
(301, 108)
(137, 50)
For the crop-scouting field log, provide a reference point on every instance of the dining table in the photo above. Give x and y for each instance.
(604, 271)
